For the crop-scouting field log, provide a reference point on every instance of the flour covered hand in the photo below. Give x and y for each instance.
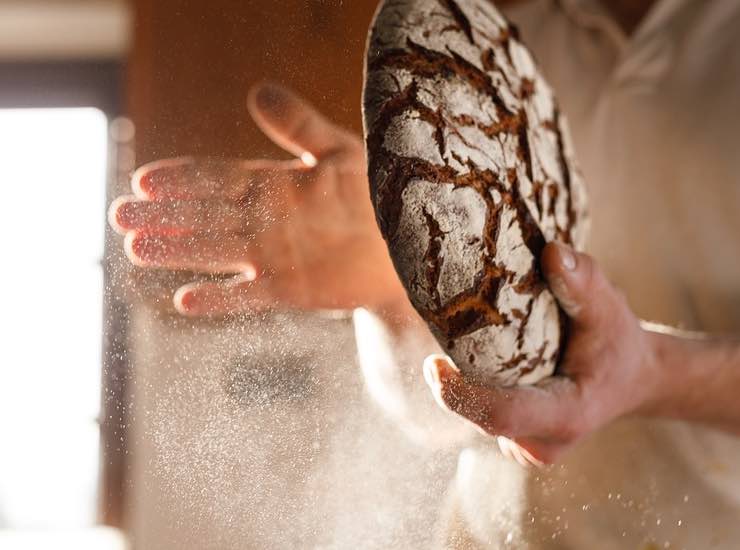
(295, 234)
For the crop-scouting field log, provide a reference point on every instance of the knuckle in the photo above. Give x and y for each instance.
(595, 281)
(570, 428)
(568, 432)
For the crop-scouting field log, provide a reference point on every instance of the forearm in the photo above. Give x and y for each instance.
(699, 378)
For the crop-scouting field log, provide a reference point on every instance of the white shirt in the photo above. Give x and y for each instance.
(654, 118)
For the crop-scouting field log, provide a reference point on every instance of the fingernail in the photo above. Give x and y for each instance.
(529, 457)
(562, 293)
(513, 451)
(431, 374)
(309, 159)
(270, 97)
(432, 366)
(141, 182)
(248, 274)
(113, 216)
(152, 183)
(186, 301)
(507, 448)
(567, 257)
(126, 215)
(444, 369)
(503, 446)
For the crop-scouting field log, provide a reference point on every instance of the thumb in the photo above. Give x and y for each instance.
(293, 123)
(579, 285)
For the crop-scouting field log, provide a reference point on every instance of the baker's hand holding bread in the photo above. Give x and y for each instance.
(296, 233)
(610, 367)
(471, 174)
(613, 365)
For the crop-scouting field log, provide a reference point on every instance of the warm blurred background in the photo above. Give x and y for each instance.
(121, 425)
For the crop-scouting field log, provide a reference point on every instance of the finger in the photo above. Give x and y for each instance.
(510, 450)
(292, 123)
(543, 410)
(240, 295)
(177, 216)
(249, 293)
(113, 209)
(581, 288)
(188, 178)
(514, 451)
(230, 253)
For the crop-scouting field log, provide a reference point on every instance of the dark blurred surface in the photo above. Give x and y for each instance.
(63, 83)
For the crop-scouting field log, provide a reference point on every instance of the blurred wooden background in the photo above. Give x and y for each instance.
(192, 63)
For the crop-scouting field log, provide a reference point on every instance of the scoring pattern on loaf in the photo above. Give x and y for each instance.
(471, 173)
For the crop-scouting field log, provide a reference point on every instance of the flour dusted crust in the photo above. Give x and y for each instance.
(471, 173)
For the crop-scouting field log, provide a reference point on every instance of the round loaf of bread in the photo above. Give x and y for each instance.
(471, 173)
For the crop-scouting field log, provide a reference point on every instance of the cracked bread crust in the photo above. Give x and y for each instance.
(471, 173)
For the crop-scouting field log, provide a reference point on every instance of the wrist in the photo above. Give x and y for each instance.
(670, 376)
(697, 377)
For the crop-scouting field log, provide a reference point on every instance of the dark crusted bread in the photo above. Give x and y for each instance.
(471, 173)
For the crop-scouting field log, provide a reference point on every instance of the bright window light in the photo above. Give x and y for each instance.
(52, 180)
